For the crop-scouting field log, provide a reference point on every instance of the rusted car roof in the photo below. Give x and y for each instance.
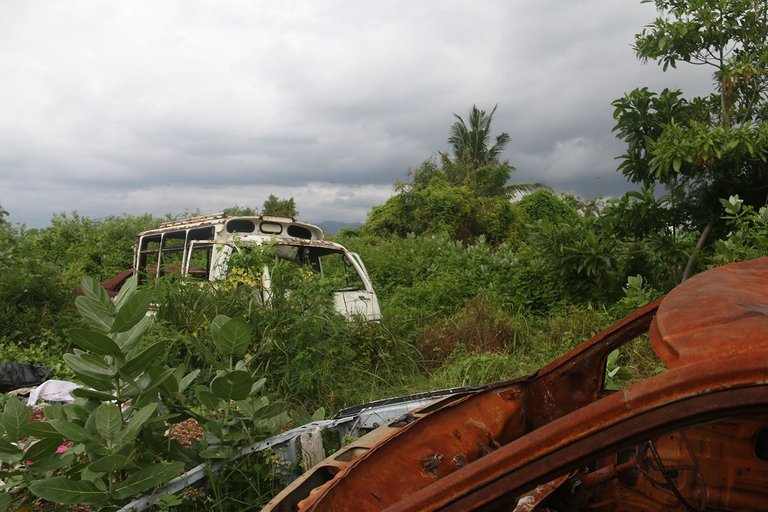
(488, 447)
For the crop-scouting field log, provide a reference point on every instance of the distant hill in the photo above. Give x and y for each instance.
(333, 227)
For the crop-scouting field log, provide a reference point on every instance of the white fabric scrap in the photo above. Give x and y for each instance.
(52, 391)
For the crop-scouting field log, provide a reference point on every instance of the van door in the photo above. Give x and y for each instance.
(353, 293)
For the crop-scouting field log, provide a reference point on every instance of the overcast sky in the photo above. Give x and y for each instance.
(112, 107)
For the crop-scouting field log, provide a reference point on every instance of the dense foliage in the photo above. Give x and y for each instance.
(704, 148)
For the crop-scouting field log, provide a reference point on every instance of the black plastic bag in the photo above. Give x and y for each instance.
(22, 375)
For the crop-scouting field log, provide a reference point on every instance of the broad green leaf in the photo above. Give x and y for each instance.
(109, 421)
(60, 489)
(158, 377)
(268, 411)
(77, 412)
(136, 421)
(258, 385)
(109, 463)
(104, 384)
(71, 431)
(54, 412)
(53, 461)
(93, 476)
(234, 338)
(232, 386)
(213, 429)
(142, 360)
(93, 311)
(89, 366)
(8, 447)
(42, 448)
(132, 311)
(246, 408)
(126, 291)
(130, 338)
(15, 419)
(95, 342)
(90, 393)
(319, 414)
(217, 323)
(206, 398)
(41, 430)
(5, 501)
(12, 459)
(147, 478)
(93, 290)
(185, 381)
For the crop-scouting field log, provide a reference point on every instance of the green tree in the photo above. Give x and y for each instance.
(279, 207)
(710, 147)
(245, 211)
(470, 143)
(464, 193)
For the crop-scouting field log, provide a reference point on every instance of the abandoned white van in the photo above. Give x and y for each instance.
(200, 248)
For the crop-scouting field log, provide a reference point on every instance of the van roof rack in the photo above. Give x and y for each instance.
(190, 220)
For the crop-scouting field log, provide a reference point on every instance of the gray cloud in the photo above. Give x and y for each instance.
(127, 107)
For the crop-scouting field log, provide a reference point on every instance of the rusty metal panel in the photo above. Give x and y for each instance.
(719, 312)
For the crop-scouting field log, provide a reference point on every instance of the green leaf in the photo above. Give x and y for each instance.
(130, 338)
(109, 463)
(206, 398)
(232, 386)
(146, 479)
(8, 447)
(53, 461)
(41, 430)
(92, 366)
(93, 290)
(60, 489)
(142, 360)
(126, 291)
(258, 385)
(157, 376)
(187, 380)
(71, 431)
(217, 323)
(42, 448)
(233, 338)
(93, 311)
(108, 420)
(15, 419)
(136, 421)
(54, 412)
(92, 394)
(5, 501)
(95, 342)
(134, 309)
(268, 411)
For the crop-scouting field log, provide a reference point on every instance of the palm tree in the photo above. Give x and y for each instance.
(476, 162)
(470, 143)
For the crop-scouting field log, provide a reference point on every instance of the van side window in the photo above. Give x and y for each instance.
(149, 257)
(172, 253)
(200, 261)
(337, 268)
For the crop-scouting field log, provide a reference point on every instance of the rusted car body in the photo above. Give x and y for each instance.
(694, 437)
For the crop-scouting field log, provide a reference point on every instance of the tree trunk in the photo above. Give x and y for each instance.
(697, 250)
